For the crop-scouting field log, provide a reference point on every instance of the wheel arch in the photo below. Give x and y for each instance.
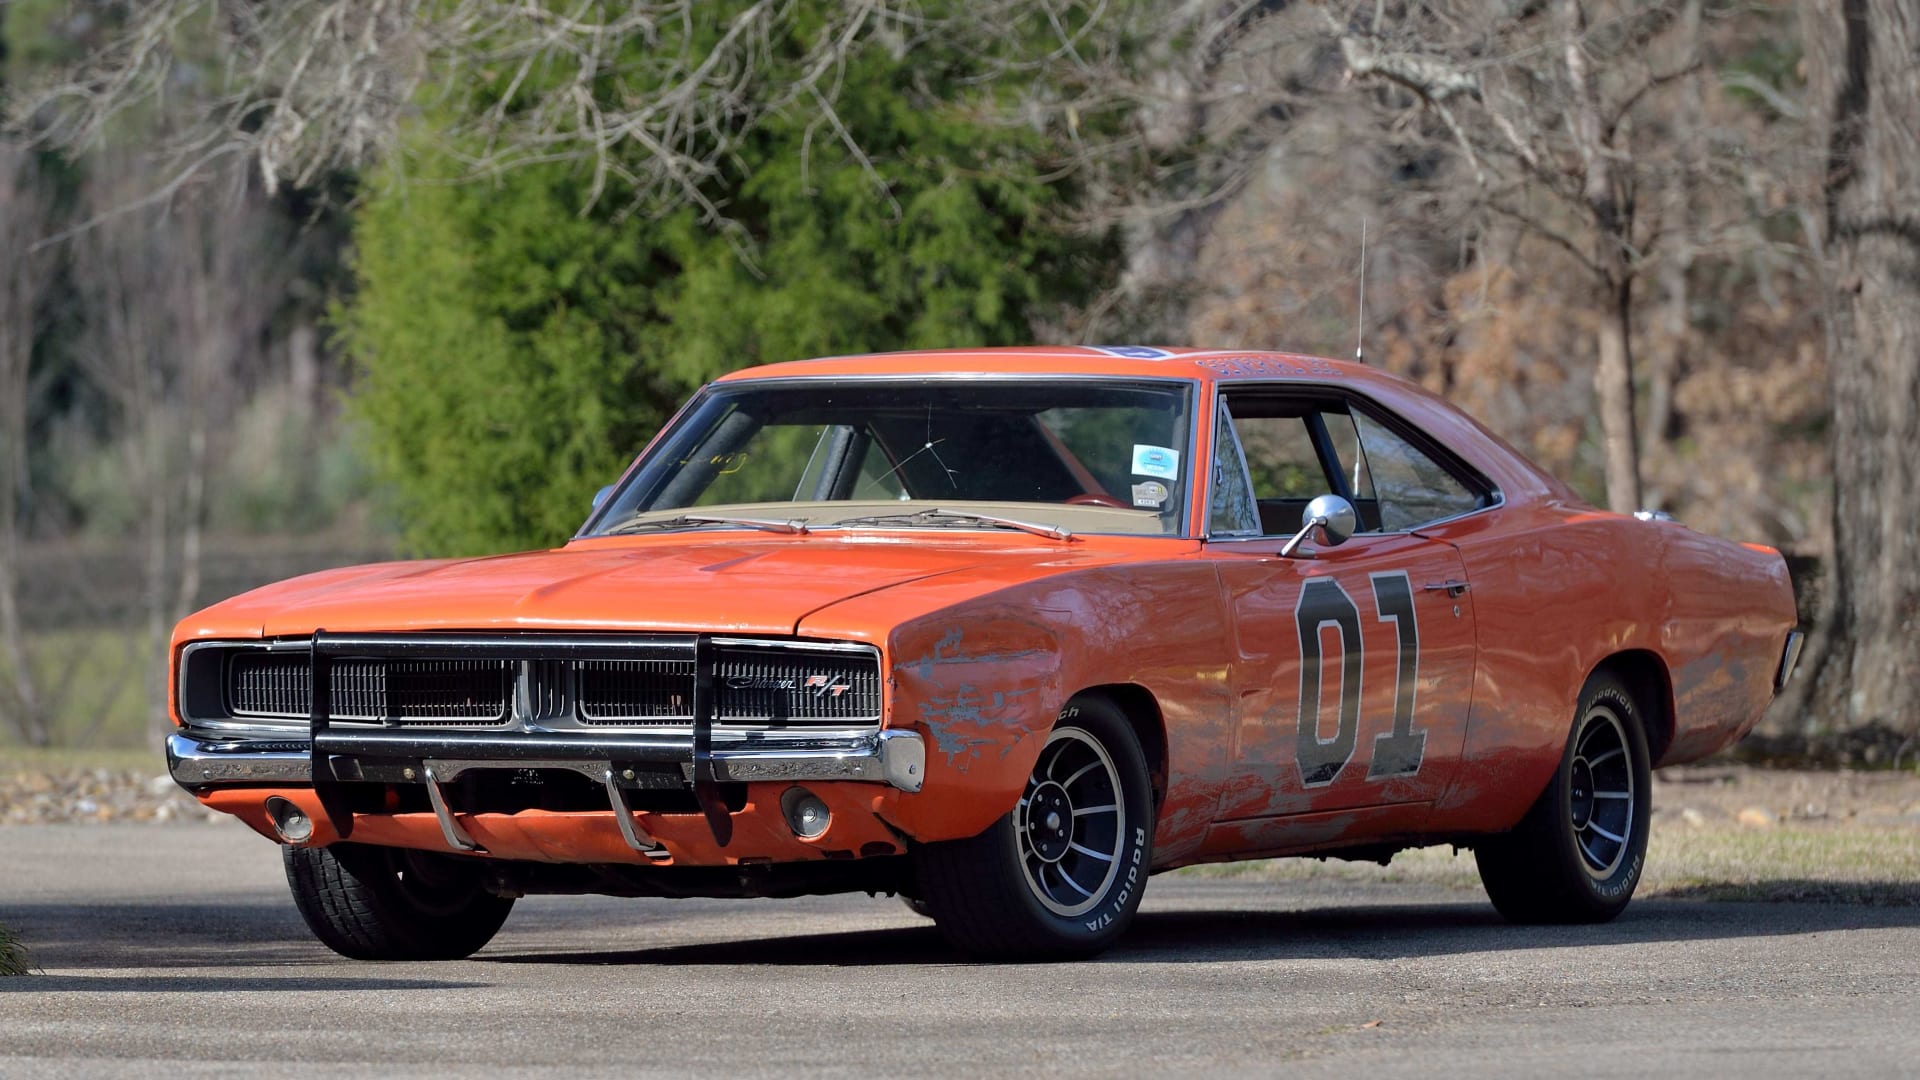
(1149, 724)
(1646, 675)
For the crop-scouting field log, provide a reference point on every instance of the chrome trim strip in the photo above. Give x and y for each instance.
(800, 643)
(1789, 656)
(507, 646)
(895, 758)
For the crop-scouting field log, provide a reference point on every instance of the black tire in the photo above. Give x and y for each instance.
(372, 903)
(1578, 854)
(997, 895)
(918, 906)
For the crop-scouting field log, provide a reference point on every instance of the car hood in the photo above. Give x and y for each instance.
(722, 584)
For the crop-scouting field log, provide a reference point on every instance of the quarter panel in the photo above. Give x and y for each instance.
(1556, 591)
(1726, 627)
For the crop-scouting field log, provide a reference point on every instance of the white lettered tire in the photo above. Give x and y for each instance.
(1579, 853)
(1061, 875)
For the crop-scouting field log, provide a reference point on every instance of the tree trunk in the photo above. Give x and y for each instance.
(21, 284)
(1611, 218)
(1668, 354)
(1613, 386)
(1861, 65)
(154, 587)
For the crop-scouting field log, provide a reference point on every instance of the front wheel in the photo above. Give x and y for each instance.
(373, 903)
(1578, 854)
(1060, 876)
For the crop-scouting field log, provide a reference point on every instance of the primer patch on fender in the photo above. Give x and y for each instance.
(1151, 495)
(1159, 461)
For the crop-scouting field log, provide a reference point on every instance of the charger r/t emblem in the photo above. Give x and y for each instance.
(824, 686)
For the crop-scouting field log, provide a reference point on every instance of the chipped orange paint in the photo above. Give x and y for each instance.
(986, 637)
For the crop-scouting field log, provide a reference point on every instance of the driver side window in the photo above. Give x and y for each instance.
(1281, 454)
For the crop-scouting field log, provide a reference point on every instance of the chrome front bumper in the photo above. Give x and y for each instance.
(895, 758)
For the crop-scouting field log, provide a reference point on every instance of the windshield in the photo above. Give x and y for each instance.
(1098, 456)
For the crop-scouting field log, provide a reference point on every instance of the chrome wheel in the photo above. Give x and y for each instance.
(1070, 825)
(1601, 793)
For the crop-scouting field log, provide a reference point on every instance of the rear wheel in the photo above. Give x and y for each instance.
(1061, 875)
(373, 903)
(1578, 854)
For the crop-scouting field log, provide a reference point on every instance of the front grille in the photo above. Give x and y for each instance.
(624, 691)
(776, 686)
(754, 685)
(270, 685)
(424, 691)
(280, 686)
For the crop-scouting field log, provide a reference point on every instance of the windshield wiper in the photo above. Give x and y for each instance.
(937, 516)
(792, 526)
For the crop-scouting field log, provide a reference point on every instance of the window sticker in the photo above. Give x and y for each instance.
(1151, 495)
(1157, 461)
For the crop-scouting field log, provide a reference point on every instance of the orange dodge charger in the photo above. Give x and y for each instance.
(1003, 632)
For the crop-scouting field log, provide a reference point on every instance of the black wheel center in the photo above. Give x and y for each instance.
(1049, 821)
(1580, 794)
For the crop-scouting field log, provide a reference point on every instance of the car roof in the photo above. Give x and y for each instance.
(1510, 471)
(1129, 361)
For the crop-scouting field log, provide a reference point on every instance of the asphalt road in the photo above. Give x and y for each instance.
(174, 950)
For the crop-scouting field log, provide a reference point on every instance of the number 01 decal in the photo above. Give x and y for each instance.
(1323, 603)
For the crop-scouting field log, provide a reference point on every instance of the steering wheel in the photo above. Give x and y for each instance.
(1090, 499)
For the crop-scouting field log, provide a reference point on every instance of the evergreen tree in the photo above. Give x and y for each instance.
(514, 351)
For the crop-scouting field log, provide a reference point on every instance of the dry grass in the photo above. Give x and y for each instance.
(28, 759)
(1847, 864)
(1850, 864)
(13, 954)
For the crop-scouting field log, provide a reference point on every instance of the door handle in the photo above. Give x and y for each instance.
(1451, 588)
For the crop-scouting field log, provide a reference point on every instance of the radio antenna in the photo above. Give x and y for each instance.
(1360, 317)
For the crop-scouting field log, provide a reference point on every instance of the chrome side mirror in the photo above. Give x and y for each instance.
(1329, 519)
(601, 496)
(1333, 520)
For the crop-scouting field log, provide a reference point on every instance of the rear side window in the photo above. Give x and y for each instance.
(1410, 488)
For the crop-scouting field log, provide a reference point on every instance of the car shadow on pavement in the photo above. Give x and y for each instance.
(1385, 931)
(1391, 931)
(230, 933)
(215, 984)
(910, 945)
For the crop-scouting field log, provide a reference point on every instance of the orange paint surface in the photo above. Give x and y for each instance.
(986, 636)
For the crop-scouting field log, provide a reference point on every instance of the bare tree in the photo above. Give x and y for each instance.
(649, 93)
(1861, 55)
(1552, 103)
(24, 211)
(178, 300)
(1574, 122)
